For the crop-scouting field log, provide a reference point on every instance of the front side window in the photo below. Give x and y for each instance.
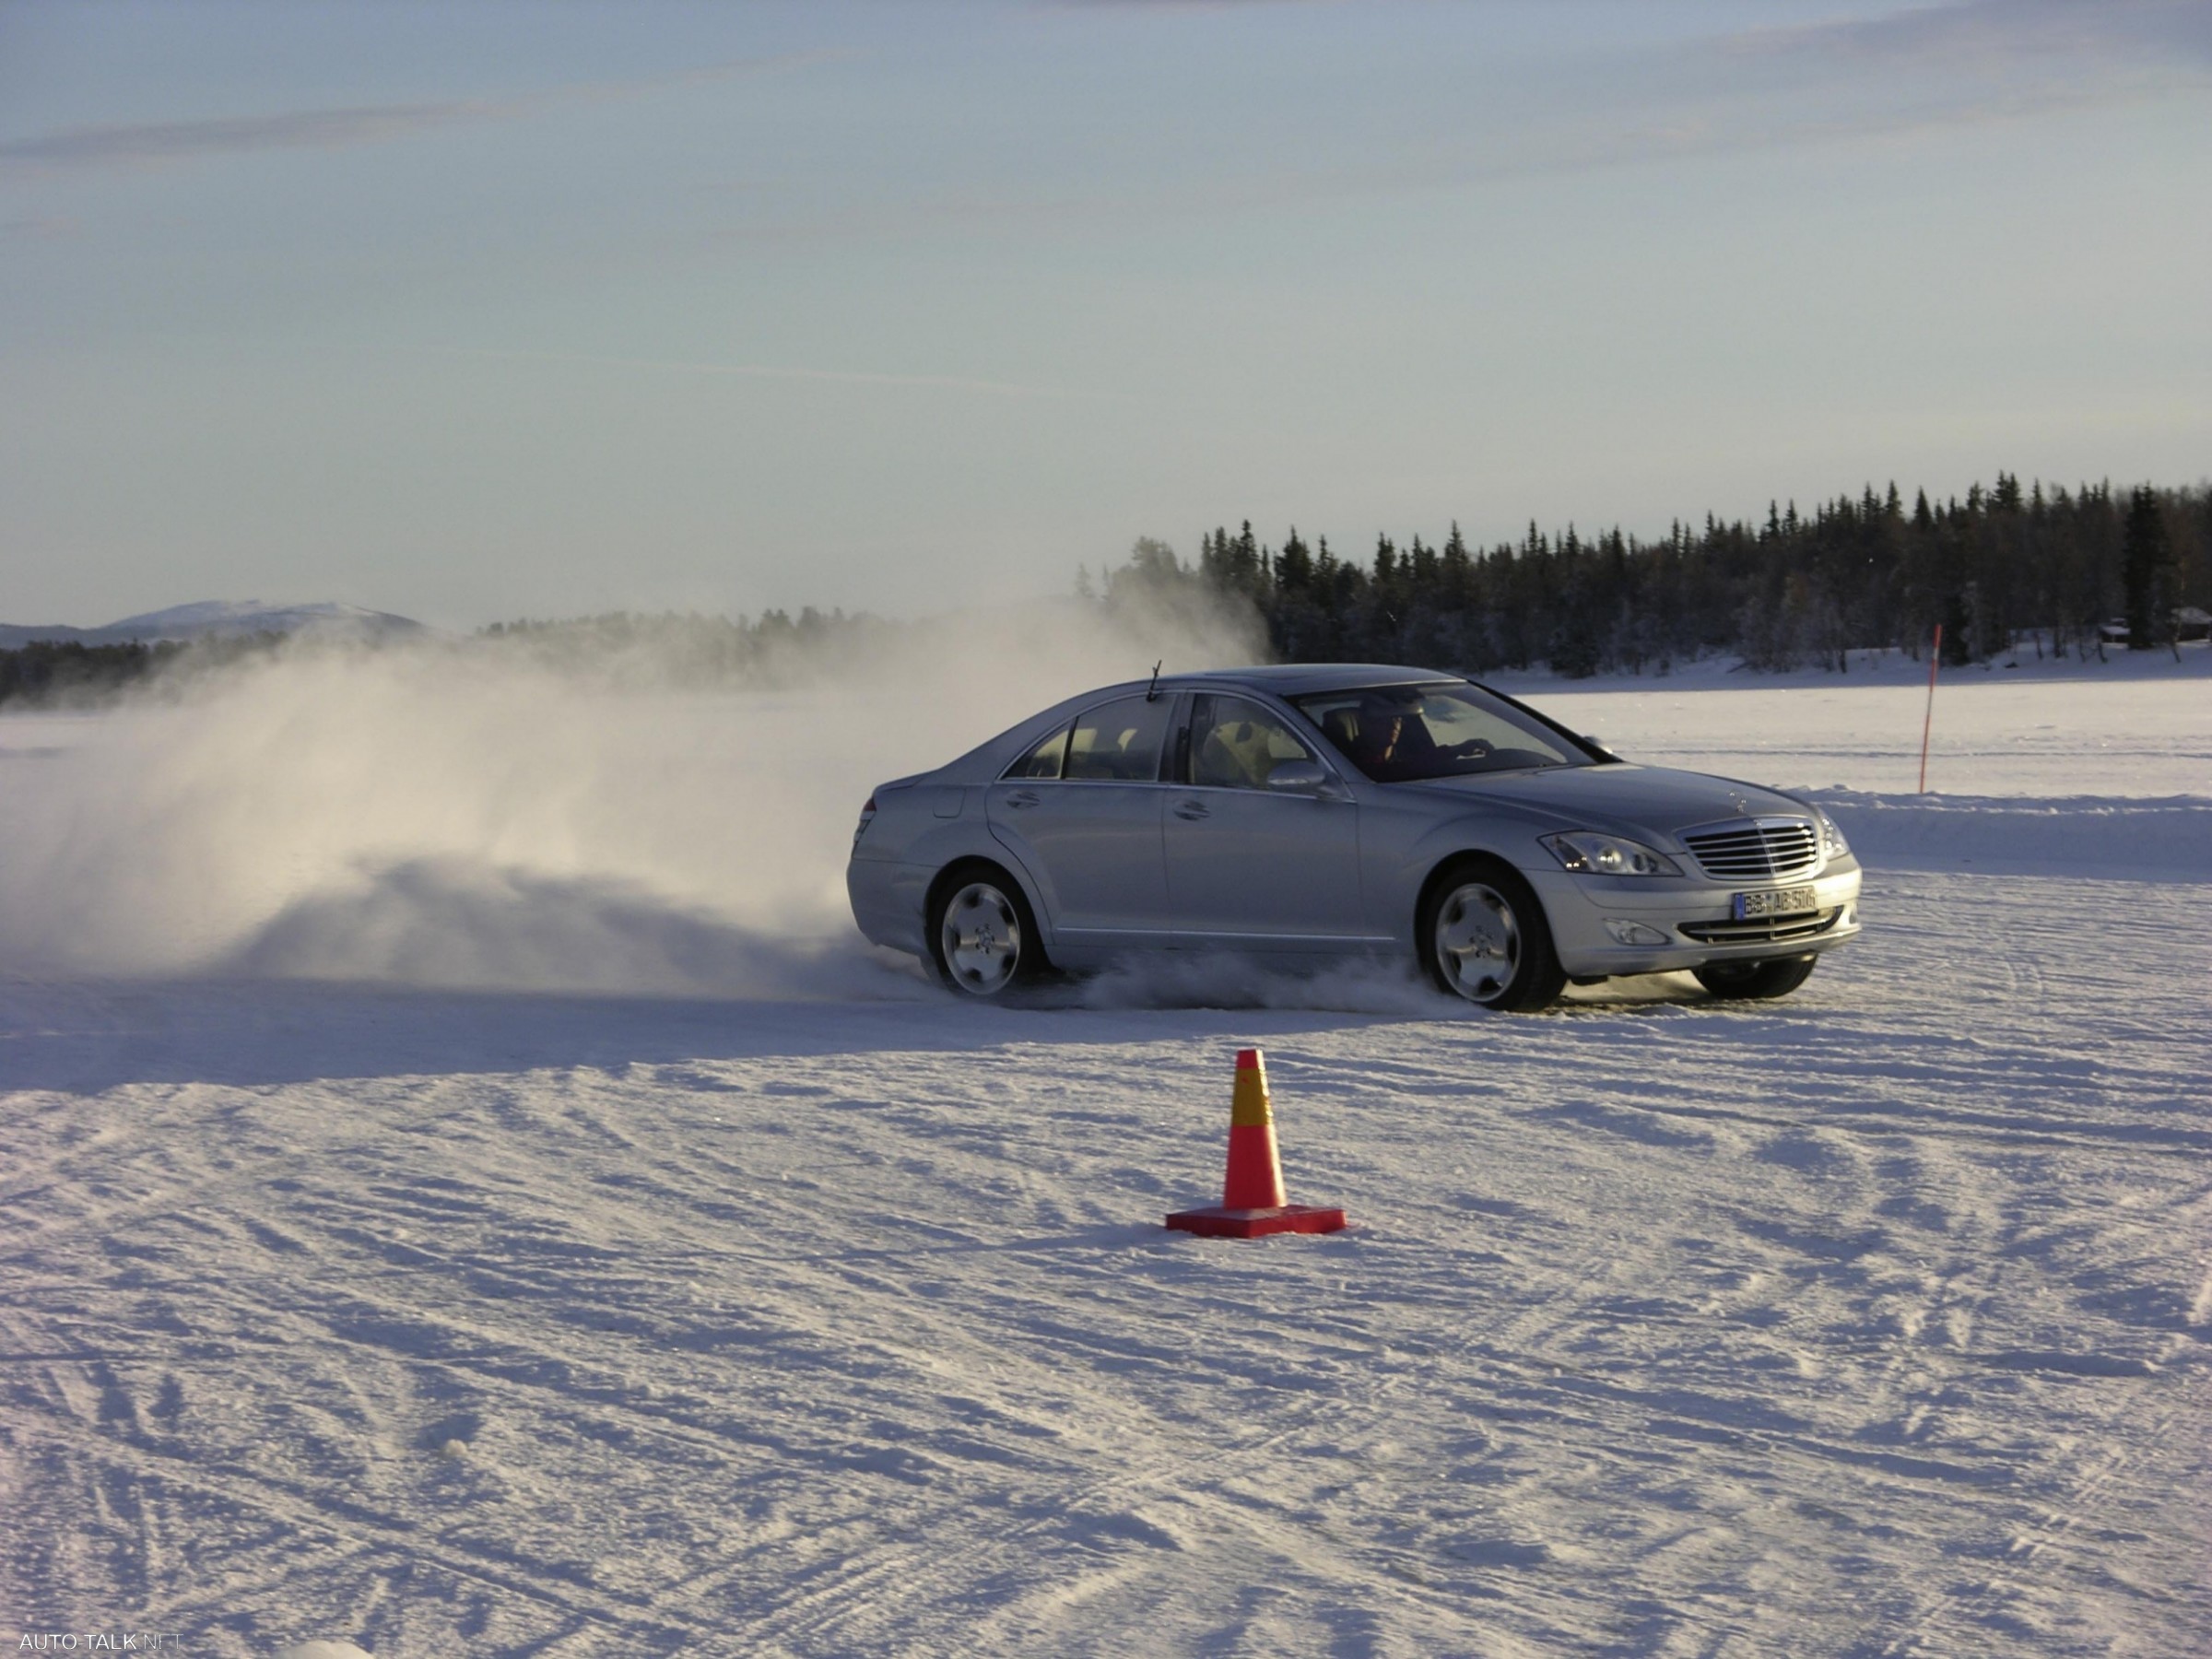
(1119, 740)
(1405, 734)
(1235, 744)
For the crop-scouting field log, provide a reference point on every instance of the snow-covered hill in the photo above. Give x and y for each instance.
(224, 618)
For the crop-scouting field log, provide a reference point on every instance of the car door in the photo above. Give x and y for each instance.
(1082, 813)
(1250, 864)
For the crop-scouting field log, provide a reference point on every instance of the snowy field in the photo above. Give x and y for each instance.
(449, 1214)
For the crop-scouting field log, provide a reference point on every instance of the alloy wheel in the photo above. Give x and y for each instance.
(980, 937)
(1477, 942)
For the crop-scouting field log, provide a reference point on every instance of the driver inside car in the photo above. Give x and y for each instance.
(1391, 742)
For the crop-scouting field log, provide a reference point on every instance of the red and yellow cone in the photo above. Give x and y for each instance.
(1253, 1200)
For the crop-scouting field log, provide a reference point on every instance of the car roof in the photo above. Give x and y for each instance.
(1281, 679)
(1297, 679)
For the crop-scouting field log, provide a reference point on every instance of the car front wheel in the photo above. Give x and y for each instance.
(1743, 982)
(1483, 936)
(982, 937)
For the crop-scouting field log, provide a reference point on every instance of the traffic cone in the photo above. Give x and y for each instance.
(1253, 1201)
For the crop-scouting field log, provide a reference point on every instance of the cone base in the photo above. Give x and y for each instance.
(1216, 1221)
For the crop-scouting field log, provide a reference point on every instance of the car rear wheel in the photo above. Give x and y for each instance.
(1483, 936)
(982, 937)
(1743, 982)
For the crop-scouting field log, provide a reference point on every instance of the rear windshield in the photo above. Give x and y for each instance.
(1405, 734)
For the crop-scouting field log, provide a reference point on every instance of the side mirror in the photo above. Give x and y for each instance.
(1300, 777)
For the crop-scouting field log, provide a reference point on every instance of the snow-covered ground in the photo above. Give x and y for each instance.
(777, 1305)
(2057, 729)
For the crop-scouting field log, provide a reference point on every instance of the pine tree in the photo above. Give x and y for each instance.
(2143, 566)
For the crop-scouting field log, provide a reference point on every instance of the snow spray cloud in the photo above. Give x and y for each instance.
(1233, 980)
(460, 815)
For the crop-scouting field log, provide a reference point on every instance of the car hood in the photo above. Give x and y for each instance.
(1623, 799)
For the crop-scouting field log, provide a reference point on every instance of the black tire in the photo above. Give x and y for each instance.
(1483, 936)
(982, 935)
(1746, 982)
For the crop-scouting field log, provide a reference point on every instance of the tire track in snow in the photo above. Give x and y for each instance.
(298, 1507)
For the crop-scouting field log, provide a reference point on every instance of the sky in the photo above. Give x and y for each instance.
(481, 310)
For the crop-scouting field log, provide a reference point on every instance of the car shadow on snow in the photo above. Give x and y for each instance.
(86, 1037)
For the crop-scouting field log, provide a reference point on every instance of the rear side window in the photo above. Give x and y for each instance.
(1044, 761)
(1119, 740)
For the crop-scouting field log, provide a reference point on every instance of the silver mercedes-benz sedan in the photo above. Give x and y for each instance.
(1343, 810)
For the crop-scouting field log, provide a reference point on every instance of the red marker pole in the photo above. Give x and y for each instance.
(1935, 656)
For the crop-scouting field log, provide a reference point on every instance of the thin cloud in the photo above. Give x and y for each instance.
(1993, 32)
(1691, 130)
(1960, 64)
(45, 228)
(775, 371)
(1902, 78)
(1174, 5)
(1715, 128)
(144, 144)
(148, 142)
(1704, 136)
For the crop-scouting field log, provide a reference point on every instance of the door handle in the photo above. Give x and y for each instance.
(1021, 797)
(1191, 811)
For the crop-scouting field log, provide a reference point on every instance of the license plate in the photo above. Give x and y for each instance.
(1772, 901)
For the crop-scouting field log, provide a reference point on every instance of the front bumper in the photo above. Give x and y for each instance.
(1685, 922)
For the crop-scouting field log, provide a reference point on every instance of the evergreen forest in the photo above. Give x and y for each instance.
(2078, 573)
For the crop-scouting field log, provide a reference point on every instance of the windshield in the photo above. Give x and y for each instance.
(1404, 733)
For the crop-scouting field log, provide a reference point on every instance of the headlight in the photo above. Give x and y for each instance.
(1588, 853)
(1833, 845)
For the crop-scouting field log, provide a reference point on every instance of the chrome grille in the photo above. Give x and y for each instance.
(1756, 849)
(1770, 930)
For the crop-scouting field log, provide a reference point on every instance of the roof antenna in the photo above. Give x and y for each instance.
(1152, 690)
